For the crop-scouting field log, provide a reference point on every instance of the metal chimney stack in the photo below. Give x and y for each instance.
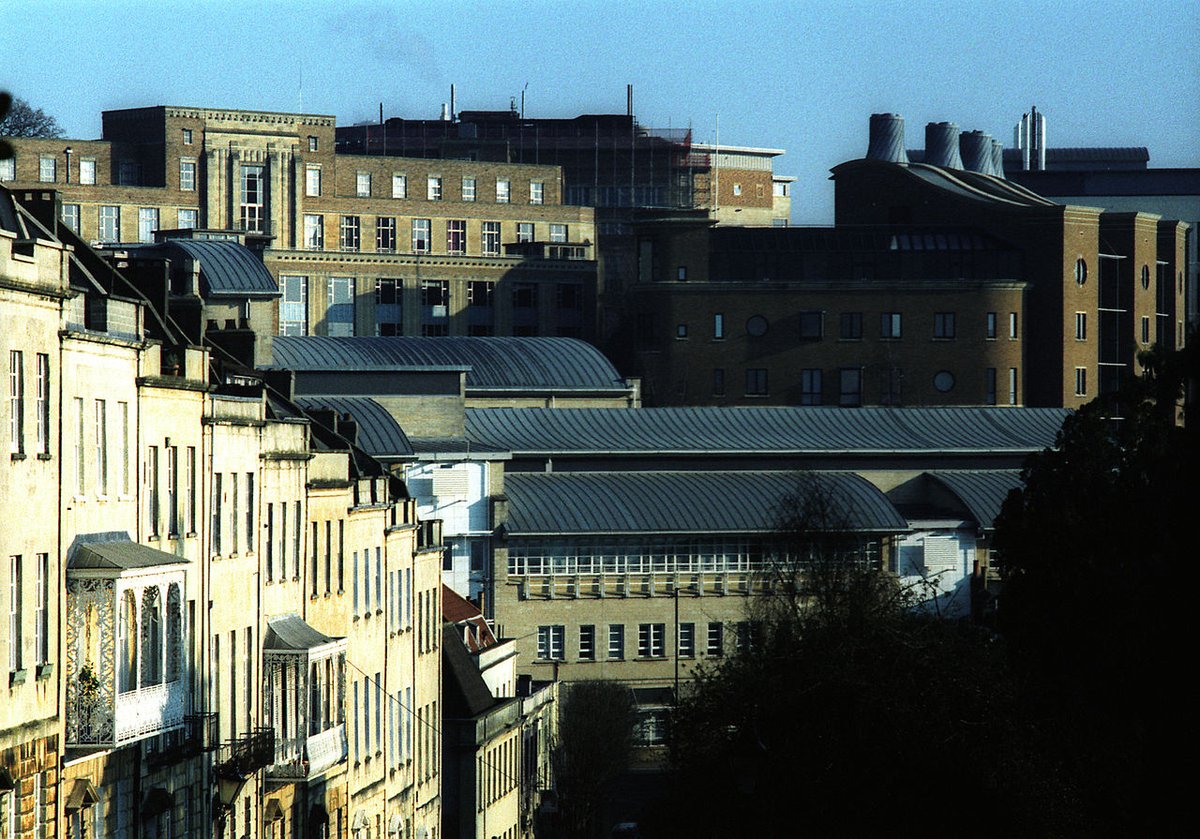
(887, 139)
(997, 158)
(975, 148)
(941, 145)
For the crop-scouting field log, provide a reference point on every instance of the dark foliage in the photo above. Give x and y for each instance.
(22, 119)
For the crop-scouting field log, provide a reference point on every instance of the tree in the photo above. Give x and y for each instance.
(592, 748)
(22, 119)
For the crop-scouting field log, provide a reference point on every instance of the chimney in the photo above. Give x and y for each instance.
(997, 158)
(887, 139)
(975, 148)
(941, 145)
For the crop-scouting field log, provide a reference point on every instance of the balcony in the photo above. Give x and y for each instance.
(240, 758)
(304, 693)
(126, 672)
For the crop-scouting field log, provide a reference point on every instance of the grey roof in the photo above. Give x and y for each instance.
(290, 632)
(122, 556)
(680, 502)
(378, 432)
(981, 491)
(792, 430)
(491, 363)
(227, 269)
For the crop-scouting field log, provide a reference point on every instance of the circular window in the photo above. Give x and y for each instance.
(1080, 271)
(1145, 276)
(756, 326)
(944, 381)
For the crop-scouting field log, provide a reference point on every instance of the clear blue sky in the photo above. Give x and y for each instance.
(803, 75)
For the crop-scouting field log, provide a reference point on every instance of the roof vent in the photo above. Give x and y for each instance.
(941, 145)
(997, 158)
(887, 138)
(975, 148)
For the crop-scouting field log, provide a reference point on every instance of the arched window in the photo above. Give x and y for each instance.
(128, 642)
(174, 634)
(152, 637)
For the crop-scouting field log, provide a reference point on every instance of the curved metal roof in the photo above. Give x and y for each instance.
(379, 434)
(547, 503)
(782, 429)
(291, 632)
(226, 268)
(491, 363)
(982, 492)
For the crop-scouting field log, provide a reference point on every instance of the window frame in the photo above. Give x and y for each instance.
(503, 191)
(891, 326)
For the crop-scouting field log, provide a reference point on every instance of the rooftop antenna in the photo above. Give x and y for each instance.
(523, 99)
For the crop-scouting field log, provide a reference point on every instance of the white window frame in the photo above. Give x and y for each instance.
(362, 184)
(8, 169)
(468, 189)
(399, 185)
(422, 235)
(147, 224)
(489, 238)
(108, 224)
(558, 233)
(312, 181)
(503, 190)
(47, 169)
(87, 170)
(16, 401)
(187, 175)
(616, 641)
(537, 192)
(70, 216)
(188, 218)
(314, 232)
(350, 233)
(652, 640)
(433, 188)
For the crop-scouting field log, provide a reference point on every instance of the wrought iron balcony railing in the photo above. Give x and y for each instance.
(244, 756)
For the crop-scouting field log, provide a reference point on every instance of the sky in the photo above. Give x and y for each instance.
(803, 76)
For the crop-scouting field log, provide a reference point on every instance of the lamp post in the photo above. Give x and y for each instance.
(67, 153)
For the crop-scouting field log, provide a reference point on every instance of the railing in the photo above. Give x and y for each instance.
(201, 732)
(299, 758)
(148, 711)
(246, 755)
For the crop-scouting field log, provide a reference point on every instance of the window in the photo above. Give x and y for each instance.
(129, 172)
(587, 642)
(47, 169)
(569, 296)
(536, 192)
(8, 169)
(420, 235)
(490, 242)
(187, 175)
(681, 330)
(550, 642)
(1081, 381)
(253, 184)
(16, 401)
(293, 308)
(1012, 325)
(943, 325)
(312, 181)
(15, 618)
(433, 188)
(716, 639)
(468, 189)
(102, 447)
(687, 640)
(1145, 329)
(109, 228)
(41, 623)
(187, 220)
(810, 386)
(943, 382)
(388, 307)
(1012, 385)
(991, 326)
(616, 641)
(525, 231)
(79, 452)
(187, 136)
(349, 239)
(190, 488)
(889, 325)
(249, 512)
(339, 317)
(718, 381)
(362, 184)
(503, 191)
(651, 640)
(1080, 271)
(756, 381)
(850, 387)
(1081, 326)
(524, 296)
(737, 189)
(385, 234)
(718, 326)
(312, 143)
(314, 232)
(756, 326)
(990, 385)
(152, 500)
(851, 326)
(480, 293)
(436, 294)
(681, 273)
(147, 223)
(558, 233)
(87, 171)
(399, 186)
(42, 405)
(811, 326)
(456, 236)
(747, 636)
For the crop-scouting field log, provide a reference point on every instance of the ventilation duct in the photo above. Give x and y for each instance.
(997, 158)
(887, 139)
(975, 148)
(941, 145)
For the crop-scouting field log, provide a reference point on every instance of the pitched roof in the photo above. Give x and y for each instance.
(982, 492)
(774, 430)
(544, 503)
(122, 555)
(491, 363)
(457, 610)
(379, 434)
(227, 269)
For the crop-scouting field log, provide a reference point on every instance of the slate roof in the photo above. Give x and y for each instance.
(981, 491)
(379, 434)
(290, 632)
(227, 269)
(492, 363)
(777, 430)
(547, 503)
(122, 556)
